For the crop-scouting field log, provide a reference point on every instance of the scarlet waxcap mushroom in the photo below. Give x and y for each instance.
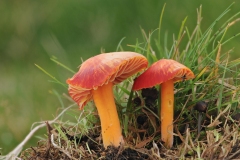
(165, 72)
(95, 80)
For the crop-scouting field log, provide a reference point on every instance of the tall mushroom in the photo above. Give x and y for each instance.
(95, 80)
(165, 72)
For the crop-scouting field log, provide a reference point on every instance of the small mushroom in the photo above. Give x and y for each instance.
(95, 80)
(165, 72)
(201, 107)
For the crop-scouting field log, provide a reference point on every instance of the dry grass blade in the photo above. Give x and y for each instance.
(61, 149)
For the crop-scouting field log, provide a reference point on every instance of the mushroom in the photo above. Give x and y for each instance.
(201, 107)
(95, 80)
(165, 72)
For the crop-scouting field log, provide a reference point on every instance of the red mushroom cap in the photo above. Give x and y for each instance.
(99, 70)
(162, 71)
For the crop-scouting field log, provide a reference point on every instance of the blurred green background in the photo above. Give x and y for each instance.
(31, 32)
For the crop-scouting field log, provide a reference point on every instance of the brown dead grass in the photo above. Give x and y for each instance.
(219, 139)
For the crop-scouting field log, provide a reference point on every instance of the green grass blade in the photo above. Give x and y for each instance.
(62, 65)
(160, 24)
(119, 47)
(55, 79)
(128, 110)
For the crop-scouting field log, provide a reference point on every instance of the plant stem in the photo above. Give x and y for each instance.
(128, 110)
(199, 122)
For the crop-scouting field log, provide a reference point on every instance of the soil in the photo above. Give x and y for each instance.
(85, 147)
(143, 141)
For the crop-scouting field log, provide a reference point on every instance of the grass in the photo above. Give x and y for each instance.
(216, 136)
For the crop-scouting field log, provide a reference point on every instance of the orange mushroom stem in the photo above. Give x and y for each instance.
(167, 106)
(107, 111)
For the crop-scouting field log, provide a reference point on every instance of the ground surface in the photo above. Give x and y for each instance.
(197, 135)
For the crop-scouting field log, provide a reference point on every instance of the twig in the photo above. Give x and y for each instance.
(15, 152)
(61, 149)
(49, 129)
